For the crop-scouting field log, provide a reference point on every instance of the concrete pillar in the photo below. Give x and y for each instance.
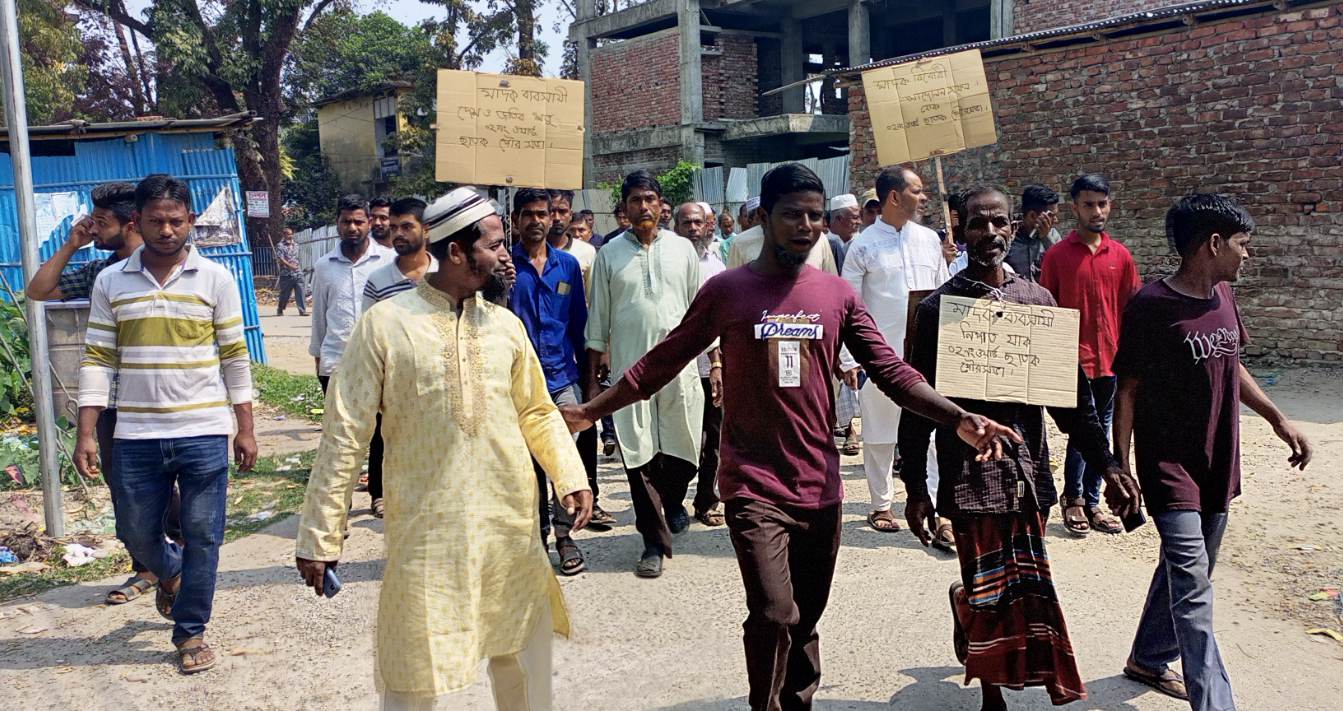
(691, 80)
(586, 10)
(792, 60)
(860, 34)
(1001, 18)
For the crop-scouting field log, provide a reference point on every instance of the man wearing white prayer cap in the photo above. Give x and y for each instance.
(464, 410)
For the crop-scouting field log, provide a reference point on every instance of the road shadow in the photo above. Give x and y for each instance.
(45, 652)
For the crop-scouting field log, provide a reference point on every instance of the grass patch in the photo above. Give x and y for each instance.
(296, 395)
(275, 488)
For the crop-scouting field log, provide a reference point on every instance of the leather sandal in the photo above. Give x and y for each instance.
(194, 656)
(1075, 517)
(1168, 682)
(883, 521)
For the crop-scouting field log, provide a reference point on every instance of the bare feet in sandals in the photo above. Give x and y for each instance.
(133, 588)
(194, 656)
(883, 521)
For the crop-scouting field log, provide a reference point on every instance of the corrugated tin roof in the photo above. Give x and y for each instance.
(80, 129)
(377, 90)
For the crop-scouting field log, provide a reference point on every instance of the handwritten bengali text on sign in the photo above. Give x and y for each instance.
(1002, 352)
(930, 107)
(497, 129)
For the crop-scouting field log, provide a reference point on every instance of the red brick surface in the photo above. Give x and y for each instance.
(1034, 15)
(635, 84)
(1250, 107)
(730, 79)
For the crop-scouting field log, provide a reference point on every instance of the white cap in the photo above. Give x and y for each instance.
(705, 207)
(839, 202)
(456, 211)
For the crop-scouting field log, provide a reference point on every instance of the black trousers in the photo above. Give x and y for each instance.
(658, 489)
(374, 450)
(292, 283)
(706, 495)
(172, 519)
(787, 561)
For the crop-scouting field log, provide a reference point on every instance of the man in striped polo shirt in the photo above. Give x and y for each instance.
(412, 262)
(166, 323)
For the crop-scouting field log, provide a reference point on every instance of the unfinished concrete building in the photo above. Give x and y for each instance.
(673, 80)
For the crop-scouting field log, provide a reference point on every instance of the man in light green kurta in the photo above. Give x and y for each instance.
(465, 408)
(641, 285)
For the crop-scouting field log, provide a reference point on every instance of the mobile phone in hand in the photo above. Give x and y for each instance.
(330, 583)
(1134, 521)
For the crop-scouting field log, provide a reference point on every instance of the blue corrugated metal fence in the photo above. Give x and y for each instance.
(82, 165)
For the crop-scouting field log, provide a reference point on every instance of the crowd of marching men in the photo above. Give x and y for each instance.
(732, 353)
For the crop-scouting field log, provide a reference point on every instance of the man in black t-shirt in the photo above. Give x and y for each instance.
(1181, 384)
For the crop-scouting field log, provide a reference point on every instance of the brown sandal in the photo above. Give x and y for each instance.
(712, 517)
(1103, 522)
(134, 587)
(189, 656)
(883, 521)
(1075, 517)
(571, 557)
(1168, 682)
(163, 600)
(944, 539)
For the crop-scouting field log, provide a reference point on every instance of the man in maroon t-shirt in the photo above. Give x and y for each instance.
(780, 325)
(1096, 275)
(1181, 384)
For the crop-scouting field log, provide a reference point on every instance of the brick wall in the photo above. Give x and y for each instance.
(635, 83)
(730, 78)
(613, 167)
(1251, 107)
(1034, 15)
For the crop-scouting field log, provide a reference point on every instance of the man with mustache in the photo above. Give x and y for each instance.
(380, 221)
(338, 280)
(1009, 628)
(1095, 274)
(780, 324)
(465, 409)
(695, 223)
(111, 227)
(406, 229)
(891, 265)
(642, 283)
(548, 297)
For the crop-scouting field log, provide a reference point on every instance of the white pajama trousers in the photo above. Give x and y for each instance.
(878, 457)
(520, 682)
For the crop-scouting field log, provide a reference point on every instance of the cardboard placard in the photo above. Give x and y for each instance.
(498, 129)
(1002, 352)
(930, 107)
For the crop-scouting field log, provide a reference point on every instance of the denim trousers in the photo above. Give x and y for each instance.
(146, 472)
(550, 507)
(1177, 619)
(1079, 480)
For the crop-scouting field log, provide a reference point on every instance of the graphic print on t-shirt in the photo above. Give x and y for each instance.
(784, 334)
(1215, 344)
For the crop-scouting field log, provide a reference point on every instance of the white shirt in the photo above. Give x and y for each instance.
(963, 260)
(884, 265)
(710, 265)
(338, 300)
(746, 247)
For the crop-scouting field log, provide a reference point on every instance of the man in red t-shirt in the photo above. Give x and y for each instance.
(780, 325)
(1181, 385)
(1096, 275)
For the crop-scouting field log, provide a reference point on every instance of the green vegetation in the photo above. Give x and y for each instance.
(678, 184)
(257, 499)
(296, 395)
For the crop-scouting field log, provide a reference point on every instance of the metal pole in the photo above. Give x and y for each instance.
(16, 118)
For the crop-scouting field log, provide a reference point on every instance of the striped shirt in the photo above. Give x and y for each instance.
(388, 281)
(177, 349)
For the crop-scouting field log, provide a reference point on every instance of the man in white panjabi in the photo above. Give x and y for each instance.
(464, 409)
(893, 258)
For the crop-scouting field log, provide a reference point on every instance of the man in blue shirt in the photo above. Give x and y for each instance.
(549, 298)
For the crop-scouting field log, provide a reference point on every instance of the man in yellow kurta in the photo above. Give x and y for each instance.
(464, 407)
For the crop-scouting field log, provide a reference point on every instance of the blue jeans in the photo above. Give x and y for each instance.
(1177, 620)
(146, 472)
(1077, 476)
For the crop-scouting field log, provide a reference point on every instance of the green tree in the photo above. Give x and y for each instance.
(460, 40)
(228, 55)
(51, 49)
(345, 51)
(310, 188)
